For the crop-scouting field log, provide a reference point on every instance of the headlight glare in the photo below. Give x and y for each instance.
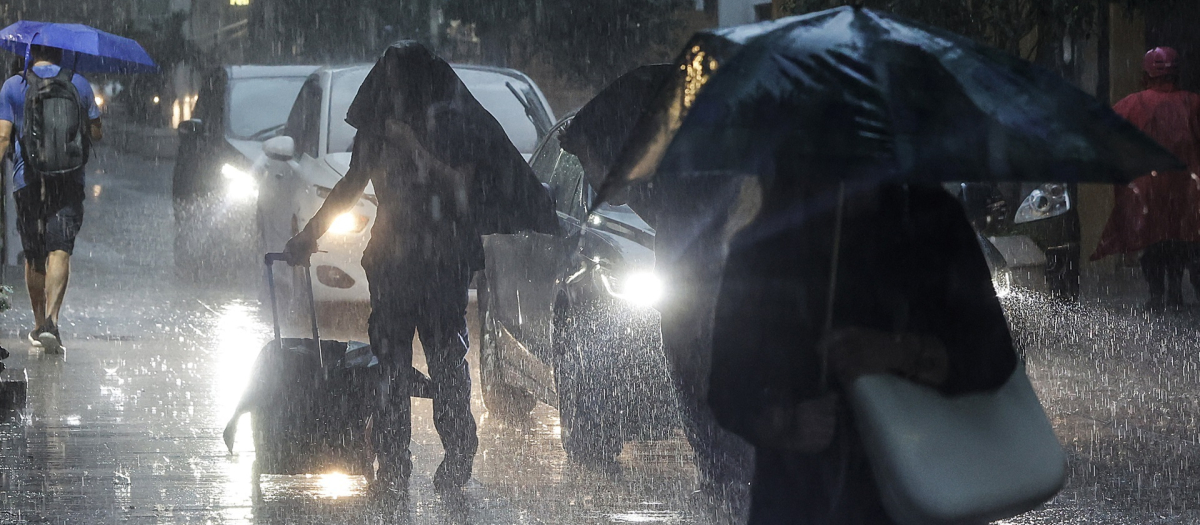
(642, 288)
(348, 222)
(240, 185)
(323, 193)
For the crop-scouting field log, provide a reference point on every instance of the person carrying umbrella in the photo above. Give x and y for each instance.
(54, 133)
(1159, 213)
(49, 204)
(856, 262)
(596, 135)
(444, 173)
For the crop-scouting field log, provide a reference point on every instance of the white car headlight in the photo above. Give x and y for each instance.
(240, 185)
(348, 222)
(642, 288)
(323, 193)
(1002, 281)
(1049, 200)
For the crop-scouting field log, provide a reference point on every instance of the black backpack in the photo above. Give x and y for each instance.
(54, 136)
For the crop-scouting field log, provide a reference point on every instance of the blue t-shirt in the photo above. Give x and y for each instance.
(12, 109)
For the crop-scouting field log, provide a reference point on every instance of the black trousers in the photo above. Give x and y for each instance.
(430, 298)
(722, 458)
(688, 244)
(1163, 264)
(832, 487)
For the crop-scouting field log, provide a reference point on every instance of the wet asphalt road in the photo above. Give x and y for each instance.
(126, 427)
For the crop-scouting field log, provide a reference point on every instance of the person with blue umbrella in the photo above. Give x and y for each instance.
(52, 112)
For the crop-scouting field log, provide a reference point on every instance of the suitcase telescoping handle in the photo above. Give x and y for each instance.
(270, 259)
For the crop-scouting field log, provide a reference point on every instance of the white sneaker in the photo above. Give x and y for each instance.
(33, 341)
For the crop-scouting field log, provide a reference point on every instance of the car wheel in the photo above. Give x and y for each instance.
(509, 402)
(590, 428)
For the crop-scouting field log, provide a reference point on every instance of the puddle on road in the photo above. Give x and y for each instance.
(149, 445)
(111, 337)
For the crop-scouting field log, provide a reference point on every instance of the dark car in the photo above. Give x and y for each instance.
(570, 319)
(237, 108)
(1035, 227)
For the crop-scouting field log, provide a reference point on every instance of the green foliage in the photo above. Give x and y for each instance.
(334, 30)
(592, 41)
(164, 40)
(5, 298)
(490, 15)
(604, 38)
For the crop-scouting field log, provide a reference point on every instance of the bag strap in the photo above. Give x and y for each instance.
(65, 75)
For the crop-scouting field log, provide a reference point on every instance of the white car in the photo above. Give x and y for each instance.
(313, 154)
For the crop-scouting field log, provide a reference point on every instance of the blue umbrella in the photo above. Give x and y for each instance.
(87, 49)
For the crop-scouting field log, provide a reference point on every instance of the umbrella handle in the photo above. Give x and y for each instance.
(834, 257)
(29, 56)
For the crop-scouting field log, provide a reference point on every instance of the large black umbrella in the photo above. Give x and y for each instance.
(882, 96)
(411, 88)
(600, 128)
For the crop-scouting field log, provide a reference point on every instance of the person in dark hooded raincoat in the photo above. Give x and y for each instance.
(679, 213)
(1159, 213)
(444, 173)
(913, 297)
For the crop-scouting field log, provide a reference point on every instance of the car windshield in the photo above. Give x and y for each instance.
(490, 89)
(341, 93)
(259, 106)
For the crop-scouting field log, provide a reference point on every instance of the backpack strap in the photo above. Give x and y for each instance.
(64, 74)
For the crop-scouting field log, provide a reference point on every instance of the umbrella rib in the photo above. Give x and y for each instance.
(834, 257)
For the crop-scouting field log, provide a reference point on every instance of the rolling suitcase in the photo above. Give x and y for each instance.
(310, 409)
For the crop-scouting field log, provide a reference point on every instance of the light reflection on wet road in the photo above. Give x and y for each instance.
(127, 426)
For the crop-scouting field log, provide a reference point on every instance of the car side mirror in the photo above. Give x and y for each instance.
(191, 127)
(281, 148)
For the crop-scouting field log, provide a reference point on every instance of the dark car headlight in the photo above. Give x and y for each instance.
(638, 287)
(1048, 200)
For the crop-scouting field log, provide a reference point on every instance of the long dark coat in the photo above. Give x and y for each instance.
(909, 262)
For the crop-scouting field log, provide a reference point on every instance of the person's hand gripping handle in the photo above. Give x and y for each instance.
(299, 249)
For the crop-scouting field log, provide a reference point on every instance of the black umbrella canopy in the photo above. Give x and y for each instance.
(600, 128)
(410, 85)
(883, 96)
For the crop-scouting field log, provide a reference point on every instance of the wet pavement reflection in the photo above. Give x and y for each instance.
(126, 427)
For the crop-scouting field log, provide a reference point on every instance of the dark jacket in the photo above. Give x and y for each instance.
(909, 262)
(450, 176)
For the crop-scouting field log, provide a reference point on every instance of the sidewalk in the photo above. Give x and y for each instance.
(143, 141)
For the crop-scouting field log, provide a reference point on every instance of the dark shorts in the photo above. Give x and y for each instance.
(51, 223)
